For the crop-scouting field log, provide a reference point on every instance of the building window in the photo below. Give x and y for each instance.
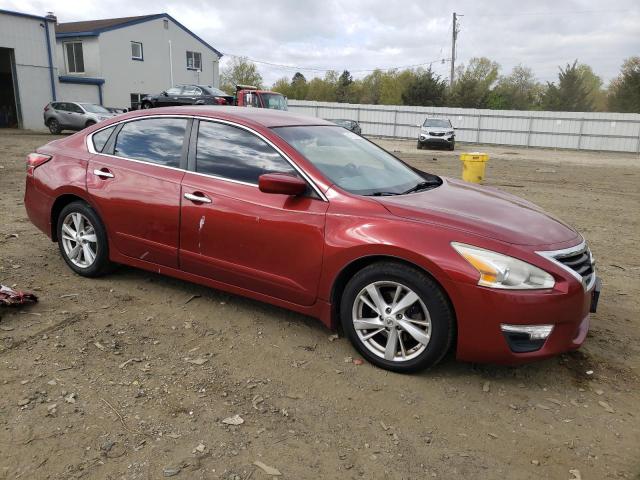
(194, 61)
(136, 100)
(166, 24)
(136, 51)
(75, 60)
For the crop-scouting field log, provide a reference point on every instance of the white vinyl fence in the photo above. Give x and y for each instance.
(576, 130)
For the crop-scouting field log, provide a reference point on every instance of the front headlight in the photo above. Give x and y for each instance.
(450, 132)
(501, 271)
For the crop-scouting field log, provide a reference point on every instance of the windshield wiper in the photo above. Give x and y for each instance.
(421, 186)
(383, 194)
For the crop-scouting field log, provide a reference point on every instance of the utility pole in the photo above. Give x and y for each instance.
(454, 36)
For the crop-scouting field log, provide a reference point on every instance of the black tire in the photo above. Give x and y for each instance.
(429, 292)
(146, 105)
(419, 146)
(89, 124)
(101, 265)
(452, 146)
(54, 126)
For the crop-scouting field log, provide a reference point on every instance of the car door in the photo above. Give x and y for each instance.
(234, 233)
(172, 97)
(190, 95)
(135, 184)
(77, 116)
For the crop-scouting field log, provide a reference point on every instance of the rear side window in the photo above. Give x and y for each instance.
(154, 140)
(59, 106)
(233, 153)
(100, 138)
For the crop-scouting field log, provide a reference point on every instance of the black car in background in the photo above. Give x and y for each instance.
(351, 125)
(188, 95)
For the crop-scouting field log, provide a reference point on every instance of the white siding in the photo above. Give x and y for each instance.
(79, 93)
(124, 76)
(576, 130)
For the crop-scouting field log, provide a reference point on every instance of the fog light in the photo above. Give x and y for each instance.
(526, 338)
(535, 332)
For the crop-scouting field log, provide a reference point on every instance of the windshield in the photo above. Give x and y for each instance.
(350, 161)
(436, 122)
(275, 101)
(91, 108)
(342, 123)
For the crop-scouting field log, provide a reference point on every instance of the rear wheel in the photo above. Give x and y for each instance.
(397, 317)
(82, 240)
(146, 105)
(54, 126)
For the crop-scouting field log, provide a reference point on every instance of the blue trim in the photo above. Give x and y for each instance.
(77, 34)
(20, 14)
(84, 80)
(98, 31)
(53, 83)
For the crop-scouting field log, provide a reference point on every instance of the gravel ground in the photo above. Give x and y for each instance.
(137, 376)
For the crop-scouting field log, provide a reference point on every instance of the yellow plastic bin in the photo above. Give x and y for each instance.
(473, 165)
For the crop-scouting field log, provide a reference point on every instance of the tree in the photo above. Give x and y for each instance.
(240, 71)
(425, 89)
(282, 86)
(572, 94)
(343, 87)
(597, 96)
(518, 91)
(473, 84)
(299, 86)
(624, 91)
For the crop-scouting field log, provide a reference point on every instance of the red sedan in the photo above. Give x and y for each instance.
(306, 215)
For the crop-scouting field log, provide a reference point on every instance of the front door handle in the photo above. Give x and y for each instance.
(197, 198)
(103, 173)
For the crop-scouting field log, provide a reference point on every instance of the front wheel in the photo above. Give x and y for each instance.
(419, 146)
(397, 317)
(146, 105)
(82, 240)
(452, 146)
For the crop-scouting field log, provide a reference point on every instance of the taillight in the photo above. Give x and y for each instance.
(34, 160)
(46, 107)
(220, 101)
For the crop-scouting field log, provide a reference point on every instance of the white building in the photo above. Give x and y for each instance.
(112, 62)
(28, 75)
(116, 61)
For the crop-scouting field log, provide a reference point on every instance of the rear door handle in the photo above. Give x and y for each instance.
(197, 198)
(103, 173)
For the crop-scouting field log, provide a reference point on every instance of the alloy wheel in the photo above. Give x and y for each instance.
(391, 321)
(79, 240)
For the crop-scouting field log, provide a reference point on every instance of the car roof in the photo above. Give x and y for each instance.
(264, 117)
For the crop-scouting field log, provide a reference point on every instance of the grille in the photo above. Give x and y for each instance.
(436, 134)
(579, 261)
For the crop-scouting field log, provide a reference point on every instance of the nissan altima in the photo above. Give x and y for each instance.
(300, 213)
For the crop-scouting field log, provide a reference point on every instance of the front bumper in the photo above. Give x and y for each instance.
(429, 140)
(483, 311)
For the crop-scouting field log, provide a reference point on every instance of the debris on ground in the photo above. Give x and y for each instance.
(235, 420)
(267, 469)
(12, 298)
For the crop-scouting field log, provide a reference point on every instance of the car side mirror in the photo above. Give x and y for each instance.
(164, 93)
(418, 125)
(281, 184)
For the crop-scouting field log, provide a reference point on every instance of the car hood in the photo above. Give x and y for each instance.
(436, 129)
(483, 211)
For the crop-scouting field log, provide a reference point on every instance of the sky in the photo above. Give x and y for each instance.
(360, 35)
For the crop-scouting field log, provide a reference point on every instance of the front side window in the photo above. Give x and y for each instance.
(233, 153)
(75, 59)
(274, 101)
(72, 107)
(350, 161)
(194, 61)
(93, 108)
(174, 91)
(100, 138)
(136, 51)
(191, 90)
(154, 140)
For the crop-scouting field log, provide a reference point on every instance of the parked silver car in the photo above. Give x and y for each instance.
(59, 116)
(437, 131)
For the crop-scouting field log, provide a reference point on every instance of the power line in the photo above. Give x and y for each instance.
(324, 70)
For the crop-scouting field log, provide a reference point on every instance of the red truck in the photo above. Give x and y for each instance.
(250, 96)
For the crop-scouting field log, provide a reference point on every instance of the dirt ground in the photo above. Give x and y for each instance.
(130, 376)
